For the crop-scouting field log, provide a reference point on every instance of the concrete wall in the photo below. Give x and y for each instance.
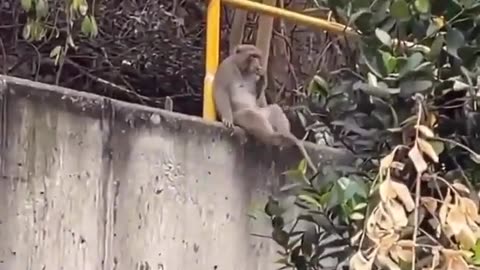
(92, 183)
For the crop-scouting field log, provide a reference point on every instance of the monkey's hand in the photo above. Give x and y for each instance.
(227, 122)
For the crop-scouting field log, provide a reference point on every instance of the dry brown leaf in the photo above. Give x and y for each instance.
(417, 159)
(442, 213)
(461, 187)
(447, 230)
(387, 241)
(427, 148)
(384, 220)
(457, 263)
(430, 203)
(454, 260)
(387, 160)
(456, 219)
(426, 131)
(354, 240)
(473, 224)
(432, 120)
(372, 224)
(397, 165)
(438, 146)
(386, 190)
(406, 243)
(435, 224)
(466, 237)
(404, 195)
(397, 214)
(386, 262)
(399, 252)
(410, 119)
(359, 262)
(435, 259)
(469, 207)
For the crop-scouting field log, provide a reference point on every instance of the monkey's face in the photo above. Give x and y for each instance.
(255, 65)
(249, 59)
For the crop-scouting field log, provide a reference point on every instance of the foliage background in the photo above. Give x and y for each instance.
(143, 51)
(409, 111)
(410, 81)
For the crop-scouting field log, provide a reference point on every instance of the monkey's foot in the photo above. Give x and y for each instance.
(227, 123)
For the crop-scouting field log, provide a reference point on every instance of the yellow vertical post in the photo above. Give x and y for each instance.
(212, 52)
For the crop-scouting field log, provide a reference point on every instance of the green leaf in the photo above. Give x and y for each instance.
(410, 87)
(381, 90)
(357, 15)
(83, 8)
(433, 28)
(302, 166)
(423, 6)
(309, 238)
(272, 208)
(86, 27)
(351, 188)
(412, 62)
(364, 22)
(55, 51)
(380, 9)
(476, 252)
(399, 10)
(438, 146)
(94, 26)
(278, 222)
(41, 8)
(384, 37)
(389, 61)
(373, 60)
(436, 48)
(27, 29)
(322, 220)
(309, 199)
(318, 85)
(454, 40)
(26, 4)
(359, 206)
(475, 157)
(281, 237)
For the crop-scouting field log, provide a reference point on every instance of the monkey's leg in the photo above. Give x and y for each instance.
(221, 97)
(280, 123)
(255, 123)
(278, 119)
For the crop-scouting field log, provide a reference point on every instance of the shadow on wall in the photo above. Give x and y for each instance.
(93, 183)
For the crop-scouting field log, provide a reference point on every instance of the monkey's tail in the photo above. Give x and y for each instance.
(301, 147)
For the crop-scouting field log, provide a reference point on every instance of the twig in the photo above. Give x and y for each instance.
(417, 184)
(105, 82)
(4, 56)
(39, 58)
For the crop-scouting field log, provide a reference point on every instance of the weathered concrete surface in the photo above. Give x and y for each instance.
(92, 183)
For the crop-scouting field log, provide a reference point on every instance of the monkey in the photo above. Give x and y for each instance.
(239, 101)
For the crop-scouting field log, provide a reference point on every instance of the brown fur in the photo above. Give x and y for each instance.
(239, 102)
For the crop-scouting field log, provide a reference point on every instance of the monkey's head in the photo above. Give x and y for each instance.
(249, 59)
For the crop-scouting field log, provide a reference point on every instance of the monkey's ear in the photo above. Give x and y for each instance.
(238, 49)
(244, 48)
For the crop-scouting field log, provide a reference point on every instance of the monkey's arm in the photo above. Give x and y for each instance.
(223, 105)
(261, 86)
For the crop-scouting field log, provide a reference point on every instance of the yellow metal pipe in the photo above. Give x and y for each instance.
(295, 17)
(213, 38)
(212, 51)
